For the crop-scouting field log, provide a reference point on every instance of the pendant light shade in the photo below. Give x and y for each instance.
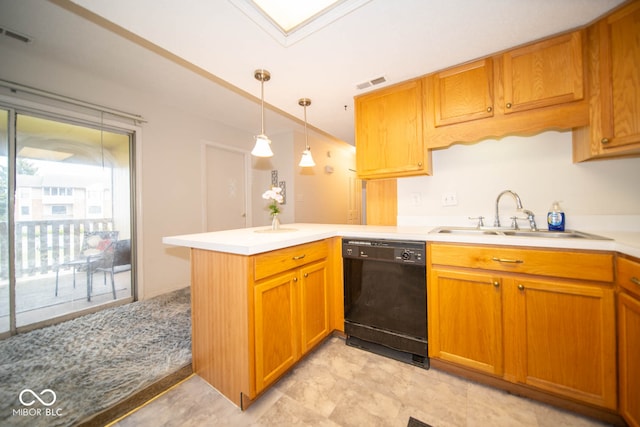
(307, 160)
(262, 147)
(263, 143)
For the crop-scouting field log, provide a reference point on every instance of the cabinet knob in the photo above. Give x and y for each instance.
(604, 141)
(298, 257)
(306, 274)
(509, 105)
(521, 287)
(496, 284)
(635, 280)
(295, 279)
(419, 164)
(489, 109)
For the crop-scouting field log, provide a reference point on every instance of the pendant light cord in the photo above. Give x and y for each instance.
(262, 104)
(306, 133)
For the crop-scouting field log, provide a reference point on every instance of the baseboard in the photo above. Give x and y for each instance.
(522, 390)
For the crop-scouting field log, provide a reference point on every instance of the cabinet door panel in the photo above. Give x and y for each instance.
(389, 132)
(464, 93)
(622, 93)
(313, 308)
(465, 319)
(629, 355)
(275, 330)
(569, 334)
(542, 74)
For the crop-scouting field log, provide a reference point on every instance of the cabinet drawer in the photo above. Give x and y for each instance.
(595, 266)
(280, 260)
(629, 275)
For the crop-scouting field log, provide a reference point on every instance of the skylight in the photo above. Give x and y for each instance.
(289, 21)
(289, 14)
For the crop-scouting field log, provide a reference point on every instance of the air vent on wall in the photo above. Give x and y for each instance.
(15, 35)
(371, 82)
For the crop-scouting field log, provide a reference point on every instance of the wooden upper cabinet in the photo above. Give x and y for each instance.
(614, 69)
(523, 91)
(463, 93)
(389, 141)
(542, 74)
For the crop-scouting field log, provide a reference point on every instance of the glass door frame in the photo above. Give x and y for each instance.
(61, 112)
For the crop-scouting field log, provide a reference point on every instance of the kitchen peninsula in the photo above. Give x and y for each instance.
(262, 299)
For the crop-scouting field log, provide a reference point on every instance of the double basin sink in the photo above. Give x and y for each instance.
(492, 231)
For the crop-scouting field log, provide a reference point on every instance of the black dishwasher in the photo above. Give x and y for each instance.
(385, 298)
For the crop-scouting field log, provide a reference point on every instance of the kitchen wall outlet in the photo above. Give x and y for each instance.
(449, 199)
(416, 199)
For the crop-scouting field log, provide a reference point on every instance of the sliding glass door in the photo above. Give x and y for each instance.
(72, 220)
(5, 318)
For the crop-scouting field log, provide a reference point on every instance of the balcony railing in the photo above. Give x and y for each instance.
(43, 244)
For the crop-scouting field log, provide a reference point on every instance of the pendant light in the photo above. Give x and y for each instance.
(306, 161)
(263, 143)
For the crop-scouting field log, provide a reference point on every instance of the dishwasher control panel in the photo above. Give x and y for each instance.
(404, 252)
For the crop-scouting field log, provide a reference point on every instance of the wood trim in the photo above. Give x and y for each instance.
(336, 286)
(382, 202)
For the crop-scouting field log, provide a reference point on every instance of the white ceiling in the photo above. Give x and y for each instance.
(398, 39)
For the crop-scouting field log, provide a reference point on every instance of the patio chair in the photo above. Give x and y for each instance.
(116, 261)
(95, 246)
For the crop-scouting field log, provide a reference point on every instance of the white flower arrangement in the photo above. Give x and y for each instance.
(276, 198)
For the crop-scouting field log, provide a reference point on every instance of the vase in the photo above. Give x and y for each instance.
(275, 222)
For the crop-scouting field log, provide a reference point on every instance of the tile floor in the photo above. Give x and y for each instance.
(339, 385)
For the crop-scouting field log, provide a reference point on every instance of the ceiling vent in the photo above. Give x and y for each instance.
(371, 82)
(15, 35)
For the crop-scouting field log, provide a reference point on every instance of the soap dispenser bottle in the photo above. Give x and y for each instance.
(555, 217)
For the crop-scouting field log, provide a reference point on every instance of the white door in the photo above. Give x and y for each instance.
(225, 188)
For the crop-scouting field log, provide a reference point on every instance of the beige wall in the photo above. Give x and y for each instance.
(321, 195)
(538, 168)
(169, 187)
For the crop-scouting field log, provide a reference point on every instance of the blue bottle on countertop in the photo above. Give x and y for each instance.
(555, 218)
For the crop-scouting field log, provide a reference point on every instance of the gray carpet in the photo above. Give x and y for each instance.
(93, 362)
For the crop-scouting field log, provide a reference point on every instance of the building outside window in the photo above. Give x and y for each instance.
(72, 181)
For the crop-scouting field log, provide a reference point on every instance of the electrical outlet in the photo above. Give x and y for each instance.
(449, 199)
(416, 199)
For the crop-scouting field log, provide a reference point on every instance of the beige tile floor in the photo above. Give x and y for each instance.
(339, 385)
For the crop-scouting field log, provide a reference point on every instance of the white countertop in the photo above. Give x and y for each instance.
(249, 241)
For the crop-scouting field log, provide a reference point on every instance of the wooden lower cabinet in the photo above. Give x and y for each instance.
(275, 328)
(629, 357)
(628, 278)
(314, 305)
(291, 317)
(563, 338)
(511, 320)
(254, 317)
(465, 319)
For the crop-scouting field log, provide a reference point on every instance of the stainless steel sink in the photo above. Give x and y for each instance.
(492, 231)
(462, 230)
(568, 234)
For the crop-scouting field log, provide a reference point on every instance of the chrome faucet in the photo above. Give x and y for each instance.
(496, 223)
(532, 220)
